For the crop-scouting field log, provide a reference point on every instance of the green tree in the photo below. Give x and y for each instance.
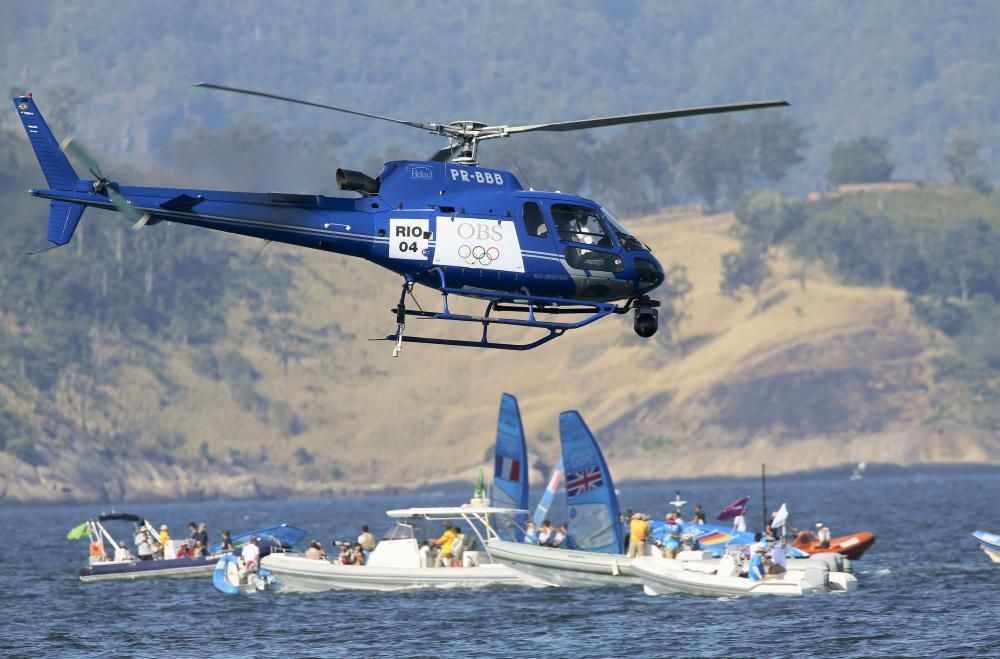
(964, 162)
(862, 160)
(748, 267)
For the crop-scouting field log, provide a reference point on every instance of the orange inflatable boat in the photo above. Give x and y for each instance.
(852, 546)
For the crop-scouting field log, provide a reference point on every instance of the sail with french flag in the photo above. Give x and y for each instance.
(590, 494)
(510, 472)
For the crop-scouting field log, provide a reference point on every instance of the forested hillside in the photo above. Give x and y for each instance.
(906, 71)
(859, 324)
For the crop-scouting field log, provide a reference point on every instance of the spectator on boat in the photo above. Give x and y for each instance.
(315, 551)
(250, 553)
(545, 533)
(199, 549)
(121, 552)
(531, 534)
(358, 555)
(143, 548)
(444, 545)
(227, 541)
(164, 535)
(672, 535)
(426, 554)
(457, 547)
(185, 551)
(740, 523)
(755, 570)
(201, 535)
(625, 520)
(638, 532)
(559, 537)
(97, 553)
(699, 515)
(757, 543)
(344, 558)
(192, 530)
(822, 536)
(779, 559)
(367, 541)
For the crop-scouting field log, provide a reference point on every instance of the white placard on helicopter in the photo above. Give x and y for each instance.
(475, 243)
(408, 238)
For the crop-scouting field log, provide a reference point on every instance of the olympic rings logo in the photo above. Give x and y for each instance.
(478, 254)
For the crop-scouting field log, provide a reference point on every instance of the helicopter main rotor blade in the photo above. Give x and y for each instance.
(251, 92)
(581, 124)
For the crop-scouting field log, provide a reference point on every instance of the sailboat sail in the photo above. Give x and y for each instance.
(549, 494)
(590, 493)
(510, 473)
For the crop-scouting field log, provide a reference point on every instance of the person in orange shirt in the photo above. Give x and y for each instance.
(97, 553)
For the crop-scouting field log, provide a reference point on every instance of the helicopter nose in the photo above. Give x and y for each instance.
(648, 273)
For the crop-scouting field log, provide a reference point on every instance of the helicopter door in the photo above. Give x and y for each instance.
(588, 250)
(537, 232)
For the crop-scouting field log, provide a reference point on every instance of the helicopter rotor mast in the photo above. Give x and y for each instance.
(464, 136)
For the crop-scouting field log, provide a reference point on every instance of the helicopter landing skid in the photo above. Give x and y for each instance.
(507, 302)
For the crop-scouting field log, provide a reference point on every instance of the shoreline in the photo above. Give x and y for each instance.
(873, 471)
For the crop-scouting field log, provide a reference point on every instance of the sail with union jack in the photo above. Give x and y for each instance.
(583, 481)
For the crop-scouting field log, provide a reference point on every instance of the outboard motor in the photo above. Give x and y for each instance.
(348, 179)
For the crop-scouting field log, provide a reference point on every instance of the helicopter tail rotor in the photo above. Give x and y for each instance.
(103, 185)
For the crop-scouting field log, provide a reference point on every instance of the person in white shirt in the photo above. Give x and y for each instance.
(559, 538)
(779, 559)
(740, 523)
(545, 533)
(250, 553)
(822, 535)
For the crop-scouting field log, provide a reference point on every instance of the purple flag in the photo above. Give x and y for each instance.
(737, 507)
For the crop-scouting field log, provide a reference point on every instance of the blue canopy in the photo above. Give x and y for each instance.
(282, 535)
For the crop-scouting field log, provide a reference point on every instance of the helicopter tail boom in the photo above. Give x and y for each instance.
(59, 173)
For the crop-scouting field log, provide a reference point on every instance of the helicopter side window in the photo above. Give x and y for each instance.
(579, 224)
(534, 221)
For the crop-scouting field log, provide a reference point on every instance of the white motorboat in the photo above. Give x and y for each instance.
(566, 568)
(396, 562)
(695, 573)
(989, 543)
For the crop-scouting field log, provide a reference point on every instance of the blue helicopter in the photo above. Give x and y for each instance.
(445, 223)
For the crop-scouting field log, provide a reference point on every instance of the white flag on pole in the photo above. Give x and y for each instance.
(779, 518)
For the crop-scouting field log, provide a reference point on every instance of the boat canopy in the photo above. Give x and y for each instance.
(455, 512)
(120, 517)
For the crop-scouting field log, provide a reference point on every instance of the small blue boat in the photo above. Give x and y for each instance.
(989, 543)
(229, 579)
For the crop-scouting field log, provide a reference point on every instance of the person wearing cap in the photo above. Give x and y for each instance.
(638, 531)
(164, 535)
(755, 570)
(672, 536)
(822, 536)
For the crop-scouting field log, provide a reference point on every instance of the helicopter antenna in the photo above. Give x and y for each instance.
(464, 136)
(259, 252)
(516, 164)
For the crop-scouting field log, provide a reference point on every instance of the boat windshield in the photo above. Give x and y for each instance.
(400, 531)
(628, 241)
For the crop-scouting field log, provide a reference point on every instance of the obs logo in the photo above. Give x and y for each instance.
(478, 254)
(22, 106)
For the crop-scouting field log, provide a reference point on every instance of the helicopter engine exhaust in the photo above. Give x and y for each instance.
(357, 182)
(646, 318)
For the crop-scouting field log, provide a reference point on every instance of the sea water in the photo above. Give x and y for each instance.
(924, 588)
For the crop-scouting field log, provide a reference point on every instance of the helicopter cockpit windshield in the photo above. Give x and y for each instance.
(629, 242)
(579, 224)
